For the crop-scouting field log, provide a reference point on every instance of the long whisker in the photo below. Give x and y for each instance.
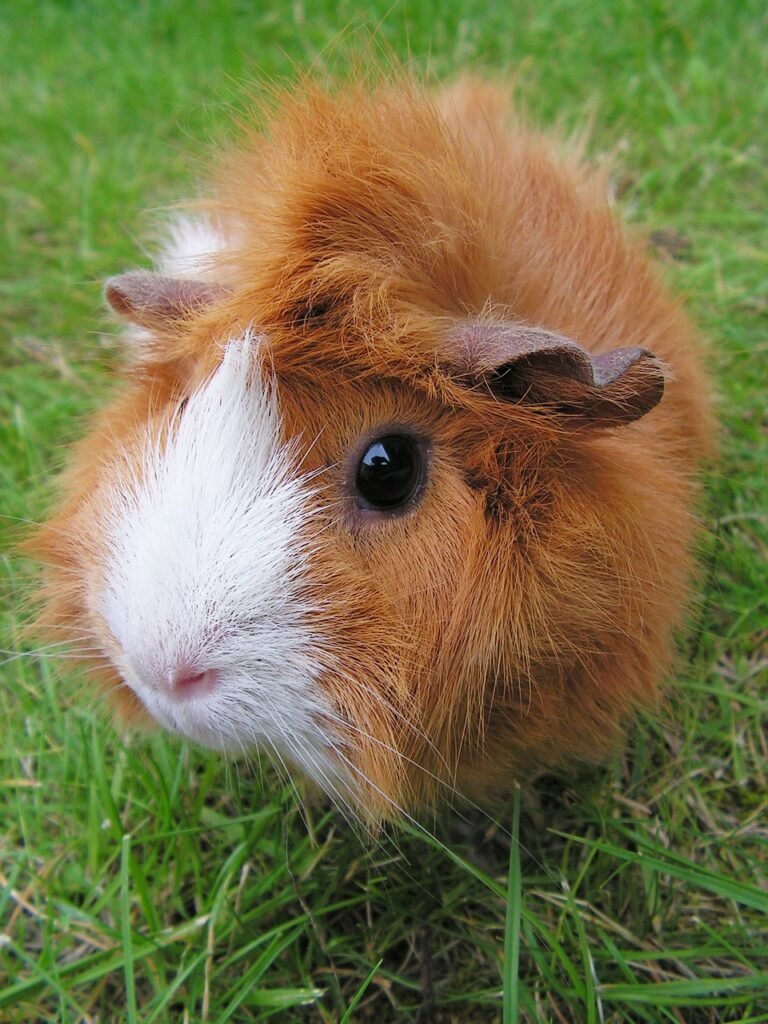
(68, 653)
(394, 710)
(388, 747)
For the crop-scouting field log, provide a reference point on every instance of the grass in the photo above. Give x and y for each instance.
(142, 881)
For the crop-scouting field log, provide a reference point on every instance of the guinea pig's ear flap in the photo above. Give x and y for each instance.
(555, 375)
(156, 302)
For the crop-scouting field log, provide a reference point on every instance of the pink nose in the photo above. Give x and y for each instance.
(186, 683)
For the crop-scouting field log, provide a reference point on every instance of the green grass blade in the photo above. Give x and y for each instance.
(667, 862)
(126, 930)
(347, 1018)
(720, 992)
(512, 921)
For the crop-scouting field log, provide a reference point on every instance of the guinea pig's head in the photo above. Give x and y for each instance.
(388, 548)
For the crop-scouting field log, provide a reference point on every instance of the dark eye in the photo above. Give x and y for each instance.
(389, 473)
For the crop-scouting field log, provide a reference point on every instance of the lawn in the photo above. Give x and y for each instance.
(141, 880)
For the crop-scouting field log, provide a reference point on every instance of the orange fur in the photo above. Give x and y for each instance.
(528, 605)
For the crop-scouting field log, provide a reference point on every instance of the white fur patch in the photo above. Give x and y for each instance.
(207, 548)
(191, 243)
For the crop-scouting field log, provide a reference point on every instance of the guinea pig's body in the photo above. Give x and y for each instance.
(391, 488)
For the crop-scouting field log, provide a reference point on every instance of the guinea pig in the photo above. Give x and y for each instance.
(400, 485)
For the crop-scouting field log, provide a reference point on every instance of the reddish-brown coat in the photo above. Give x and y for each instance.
(528, 604)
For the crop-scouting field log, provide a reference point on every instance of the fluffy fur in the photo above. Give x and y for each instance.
(204, 551)
(526, 605)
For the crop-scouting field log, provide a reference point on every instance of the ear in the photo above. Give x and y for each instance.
(556, 375)
(156, 302)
